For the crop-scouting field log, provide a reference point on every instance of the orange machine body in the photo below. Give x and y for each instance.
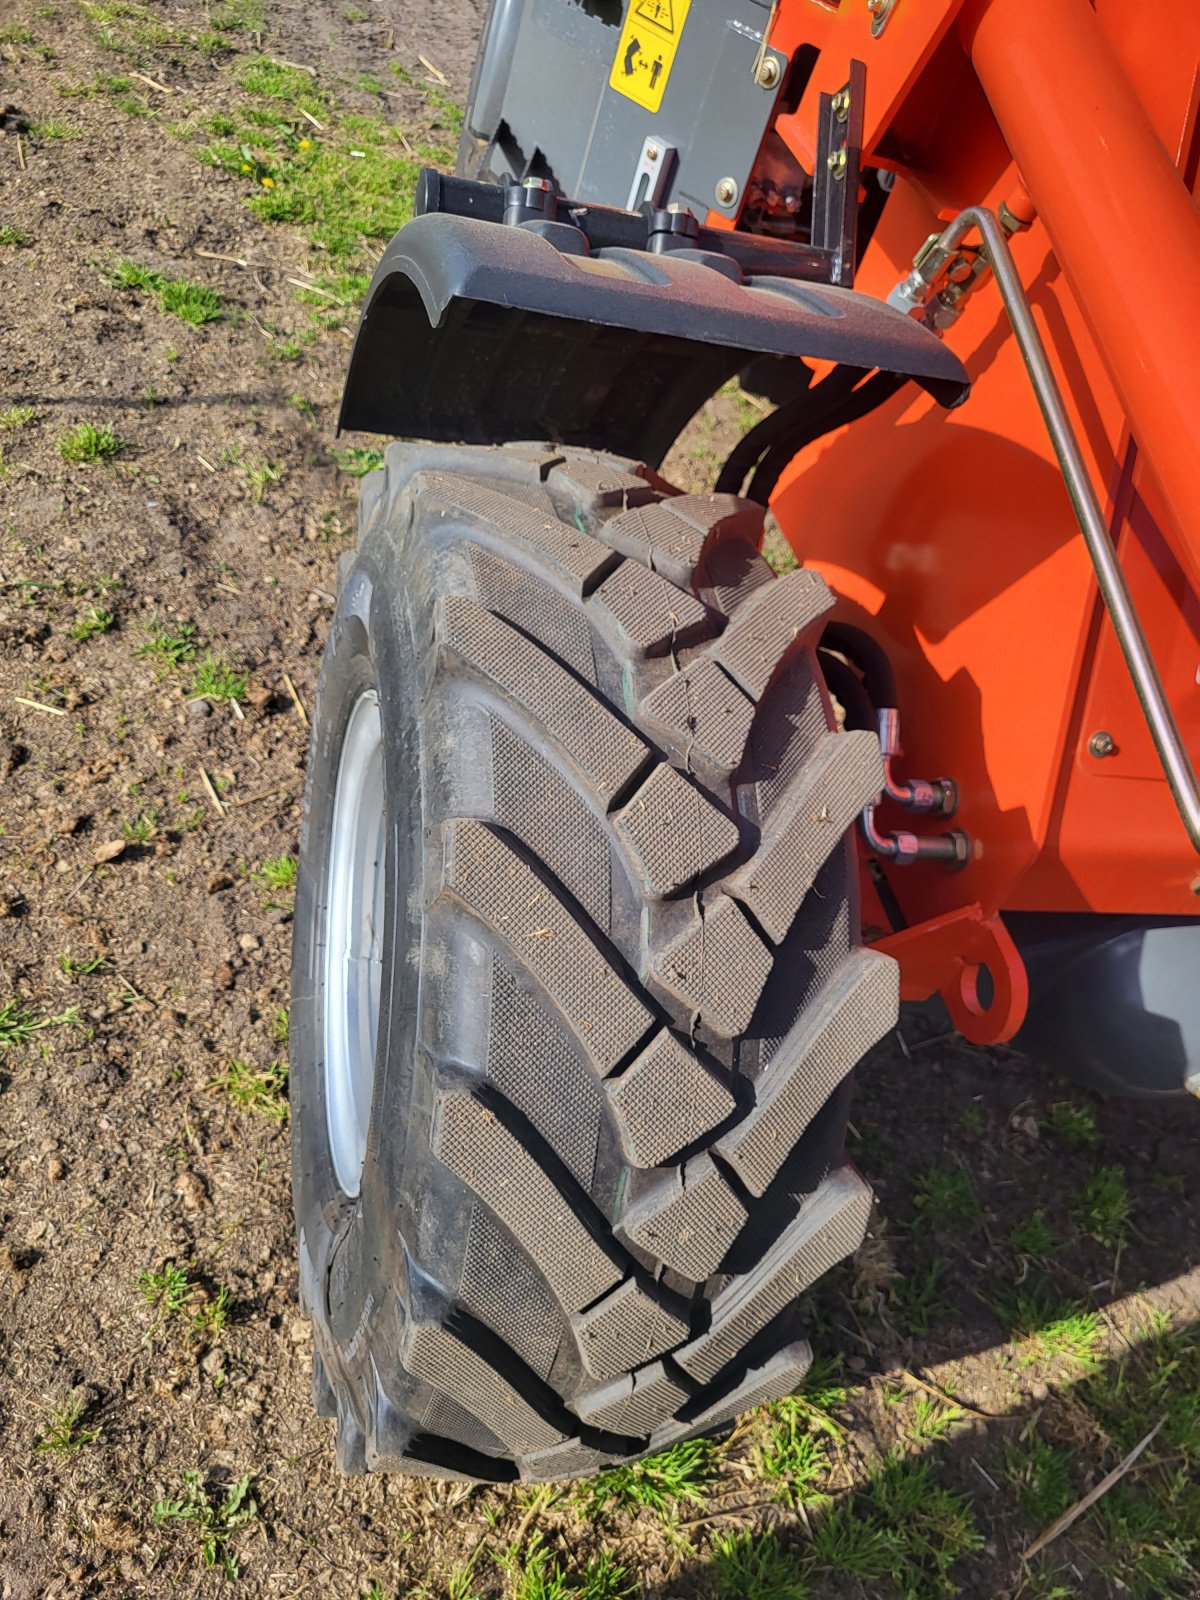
(950, 535)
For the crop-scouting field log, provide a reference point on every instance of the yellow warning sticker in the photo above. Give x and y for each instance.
(646, 50)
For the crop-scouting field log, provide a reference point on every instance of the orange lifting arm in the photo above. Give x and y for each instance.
(1122, 223)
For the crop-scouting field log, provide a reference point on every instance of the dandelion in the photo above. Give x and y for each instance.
(306, 144)
(245, 166)
(267, 183)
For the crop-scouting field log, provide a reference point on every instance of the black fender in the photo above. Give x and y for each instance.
(479, 332)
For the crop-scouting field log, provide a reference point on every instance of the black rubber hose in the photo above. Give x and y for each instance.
(805, 410)
(878, 388)
(848, 689)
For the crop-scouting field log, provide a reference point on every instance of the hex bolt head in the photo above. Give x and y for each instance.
(1101, 744)
(726, 191)
(841, 104)
(651, 152)
(768, 73)
(837, 163)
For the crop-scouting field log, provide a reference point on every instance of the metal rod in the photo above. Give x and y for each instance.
(1164, 730)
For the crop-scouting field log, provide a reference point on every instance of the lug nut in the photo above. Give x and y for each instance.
(841, 104)
(837, 163)
(727, 191)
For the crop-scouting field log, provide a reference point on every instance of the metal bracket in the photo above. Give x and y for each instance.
(966, 943)
(652, 175)
(1114, 591)
(835, 179)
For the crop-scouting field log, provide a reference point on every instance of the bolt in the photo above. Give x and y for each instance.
(651, 152)
(1101, 744)
(727, 191)
(767, 75)
(540, 185)
(837, 163)
(841, 104)
(880, 11)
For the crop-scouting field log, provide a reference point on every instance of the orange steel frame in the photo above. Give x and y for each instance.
(949, 535)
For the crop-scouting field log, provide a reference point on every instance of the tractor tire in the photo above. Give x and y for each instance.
(577, 984)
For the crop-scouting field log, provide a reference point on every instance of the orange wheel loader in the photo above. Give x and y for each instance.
(621, 849)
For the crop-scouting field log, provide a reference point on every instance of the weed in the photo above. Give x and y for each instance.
(17, 416)
(91, 444)
(679, 1475)
(791, 1458)
(973, 1121)
(170, 644)
(15, 33)
(754, 1566)
(846, 1542)
(275, 81)
(305, 407)
(65, 1433)
(211, 1315)
(1050, 1326)
(141, 829)
(52, 130)
(919, 1299)
(943, 1197)
(214, 1520)
(81, 969)
(193, 303)
(237, 16)
(280, 1022)
(167, 1290)
(94, 620)
(933, 1419)
(1074, 1125)
(1032, 1236)
(279, 873)
(14, 236)
(260, 1089)
(540, 1577)
(357, 462)
(126, 274)
(1105, 1207)
(934, 1527)
(18, 1024)
(259, 477)
(217, 680)
(1041, 1474)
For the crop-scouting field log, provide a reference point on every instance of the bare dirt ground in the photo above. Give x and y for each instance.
(1026, 1308)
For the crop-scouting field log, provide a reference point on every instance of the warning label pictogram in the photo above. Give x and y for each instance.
(646, 50)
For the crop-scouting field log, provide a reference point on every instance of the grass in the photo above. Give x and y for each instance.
(680, 1475)
(170, 644)
(90, 444)
(217, 680)
(279, 873)
(919, 1300)
(93, 621)
(754, 1566)
(175, 1291)
(17, 416)
(1075, 1125)
(1105, 1208)
(66, 1432)
(356, 462)
(1032, 1237)
(943, 1198)
(18, 1024)
(280, 1024)
(1041, 1474)
(260, 1089)
(140, 829)
(1050, 1326)
(539, 1576)
(212, 1518)
(193, 303)
(10, 235)
(933, 1419)
(168, 1289)
(81, 969)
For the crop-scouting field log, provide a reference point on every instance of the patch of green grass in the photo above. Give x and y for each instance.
(217, 680)
(846, 1542)
(305, 407)
(213, 1519)
(1105, 1207)
(238, 16)
(52, 130)
(193, 303)
(65, 1432)
(167, 1290)
(919, 1299)
(1050, 1326)
(755, 1566)
(933, 1527)
(1041, 1474)
(679, 1475)
(1074, 1125)
(93, 621)
(260, 476)
(943, 1197)
(212, 1314)
(170, 644)
(933, 1419)
(18, 1024)
(274, 81)
(14, 236)
(536, 1575)
(280, 1024)
(17, 416)
(279, 873)
(90, 444)
(15, 33)
(1032, 1236)
(261, 1089)
(356, 462)
(791, 1458)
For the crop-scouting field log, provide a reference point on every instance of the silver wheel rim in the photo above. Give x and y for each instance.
(353, 940)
